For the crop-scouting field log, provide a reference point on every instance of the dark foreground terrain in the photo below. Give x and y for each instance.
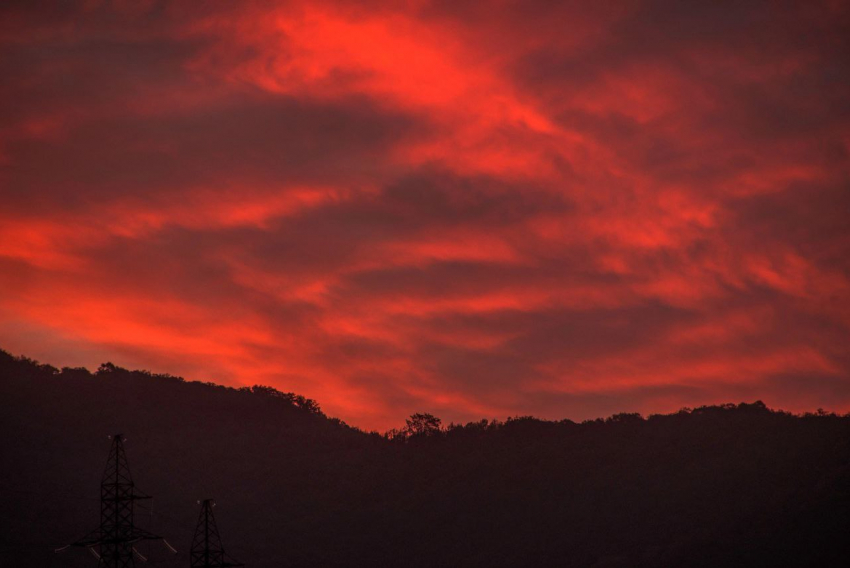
(714, 486)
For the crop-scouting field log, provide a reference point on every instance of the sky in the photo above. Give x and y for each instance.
(474, 209)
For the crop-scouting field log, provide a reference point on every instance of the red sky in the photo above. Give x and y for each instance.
(476, 209)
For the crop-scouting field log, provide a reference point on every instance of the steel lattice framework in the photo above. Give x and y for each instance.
(207, 551)
(112, 542)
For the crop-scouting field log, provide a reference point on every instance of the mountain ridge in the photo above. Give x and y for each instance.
(732, 484)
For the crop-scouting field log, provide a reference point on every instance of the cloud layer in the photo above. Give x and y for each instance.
(467, 208)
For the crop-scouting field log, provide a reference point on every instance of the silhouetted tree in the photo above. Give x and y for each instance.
(422, 424)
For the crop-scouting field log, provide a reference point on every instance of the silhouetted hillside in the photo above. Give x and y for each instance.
(732, 485)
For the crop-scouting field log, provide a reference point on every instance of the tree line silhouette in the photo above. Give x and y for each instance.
(731, 485)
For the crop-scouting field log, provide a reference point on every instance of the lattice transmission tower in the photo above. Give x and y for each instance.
(112, 543)
(207, 551)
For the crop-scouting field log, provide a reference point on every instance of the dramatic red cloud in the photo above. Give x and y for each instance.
(468, 208)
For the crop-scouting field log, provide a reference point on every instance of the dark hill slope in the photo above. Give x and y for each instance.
(732, 485)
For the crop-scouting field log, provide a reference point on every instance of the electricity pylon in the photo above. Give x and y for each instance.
(207, 551)
(112, 542)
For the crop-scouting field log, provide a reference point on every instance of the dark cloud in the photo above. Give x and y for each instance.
(809, 216)
(440, 197)
(580, 334)
(257, 139)
(818, 391)
(488, 375)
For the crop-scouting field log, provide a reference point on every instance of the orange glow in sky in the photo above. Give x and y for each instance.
(474, 209)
